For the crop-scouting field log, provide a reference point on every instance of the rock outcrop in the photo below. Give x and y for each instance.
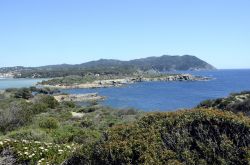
(78, 97)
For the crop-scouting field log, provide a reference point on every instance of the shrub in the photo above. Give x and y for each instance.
(14, 115)
(36, 152)
(242, 107)
(69, 104)
(125, 112)
(39, 108)
(206, 103)
(64, 115)
(47, 91)
(23, 93)
(88, 109)
(68, 134)
(48, 123)
(9, 90)
(50, 101)
(85, 123)
(189, 137)
(236, 102)
(28, 134)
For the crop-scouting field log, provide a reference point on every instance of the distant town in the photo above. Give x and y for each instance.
(7, 75)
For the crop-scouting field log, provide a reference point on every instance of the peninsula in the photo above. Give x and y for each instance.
(97, 81)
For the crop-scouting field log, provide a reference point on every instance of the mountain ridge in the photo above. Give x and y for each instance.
(115, 62)
(113, 66)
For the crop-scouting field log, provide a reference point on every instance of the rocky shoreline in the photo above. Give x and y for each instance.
(129, 80)
(79, 97)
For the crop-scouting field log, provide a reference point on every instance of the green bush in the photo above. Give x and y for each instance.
(29, 134)
(14, 114)
(64, 116)
(190, 137)
(88, 109)
(23, 93)
(48, 123)
(68, 134)
(39, 108)
(236, 102)
(9, 90)
(50, 101)
(46, 91)
(242, 107)
(125, 112)
(85, 123)
(69, 104)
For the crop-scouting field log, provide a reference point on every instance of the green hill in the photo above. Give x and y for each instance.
(110, 66)
(162, 63)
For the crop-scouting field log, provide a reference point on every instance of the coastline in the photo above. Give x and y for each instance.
(126, 81)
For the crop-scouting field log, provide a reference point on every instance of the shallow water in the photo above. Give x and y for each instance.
(18, 83)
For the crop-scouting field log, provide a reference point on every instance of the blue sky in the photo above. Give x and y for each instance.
(42, 32)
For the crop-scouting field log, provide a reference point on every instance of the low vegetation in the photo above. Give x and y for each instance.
(89, 78)
(36, 152)
(196, 136)
(236, 102)
(39, 130)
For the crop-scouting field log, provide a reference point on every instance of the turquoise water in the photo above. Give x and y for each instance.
(169, 96)
(18, 83)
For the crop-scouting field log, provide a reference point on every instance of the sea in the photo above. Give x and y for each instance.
(163, 96)
(18, 83)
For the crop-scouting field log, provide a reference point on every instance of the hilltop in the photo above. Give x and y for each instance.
(111, 66)
(162, 63)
